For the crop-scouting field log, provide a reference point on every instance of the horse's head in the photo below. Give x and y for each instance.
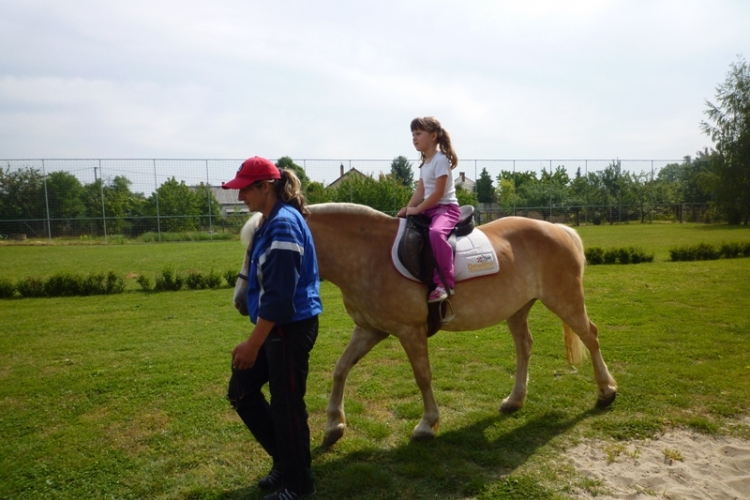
(240, 288)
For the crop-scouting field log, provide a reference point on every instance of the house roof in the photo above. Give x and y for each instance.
(352, 171)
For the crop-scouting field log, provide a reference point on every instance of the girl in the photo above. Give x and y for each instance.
(283, 301)
(435, 196)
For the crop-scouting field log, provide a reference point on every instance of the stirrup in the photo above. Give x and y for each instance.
(446, 317)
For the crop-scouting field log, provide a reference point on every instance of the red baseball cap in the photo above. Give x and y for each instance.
(252, 170)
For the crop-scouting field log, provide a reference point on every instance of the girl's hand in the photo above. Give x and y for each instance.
(413, 211)
(401, 213)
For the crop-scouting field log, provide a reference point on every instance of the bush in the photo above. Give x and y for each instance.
(594, 255)
(213, 280)
(231, 278)
(623, 255)
(195, 280)
(31, 287)
(638, 255)
(629, 255)
(64, 285)
(114, 283)
(7, 288)
(145, 283)
(103, 284)
(169, 280)
(610, 256)
(706, 251)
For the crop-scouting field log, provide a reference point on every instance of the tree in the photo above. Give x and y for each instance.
(118, 204)
(207, 204)
(178, 202)
(384, 194)
(22, 197)
(507, 196)
(466, 197)
(317, 193)
(485, 190)
(401, 171)
(65, 197)
(287, 162)
(728, 125)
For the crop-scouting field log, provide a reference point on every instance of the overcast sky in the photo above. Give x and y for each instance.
(343, 79)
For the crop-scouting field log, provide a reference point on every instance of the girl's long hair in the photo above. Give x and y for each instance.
(431, 124)
(289, 189)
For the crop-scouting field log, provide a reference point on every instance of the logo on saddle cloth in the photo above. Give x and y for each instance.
(472, 251)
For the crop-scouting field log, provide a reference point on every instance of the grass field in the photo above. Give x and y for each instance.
(123, 396)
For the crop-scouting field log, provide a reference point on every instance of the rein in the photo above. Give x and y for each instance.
(242, 276)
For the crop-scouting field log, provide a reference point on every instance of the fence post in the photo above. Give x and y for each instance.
(650, 195)
(586, 191)
(550, 190)
(514, 187)
(46, 202)
(156, 195)
(104, 215)
(208, 194)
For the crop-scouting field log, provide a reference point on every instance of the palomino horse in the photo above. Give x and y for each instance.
(538, 261)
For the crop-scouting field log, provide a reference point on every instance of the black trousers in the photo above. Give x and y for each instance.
(281, 426)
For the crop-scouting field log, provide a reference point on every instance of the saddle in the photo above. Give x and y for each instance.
(415, 253)
(414, 250)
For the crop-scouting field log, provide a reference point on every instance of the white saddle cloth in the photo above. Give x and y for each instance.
(474, 255)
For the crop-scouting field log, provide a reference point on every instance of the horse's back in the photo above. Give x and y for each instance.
(547, 243)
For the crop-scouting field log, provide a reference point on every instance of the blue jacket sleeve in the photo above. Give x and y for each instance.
(280, 270)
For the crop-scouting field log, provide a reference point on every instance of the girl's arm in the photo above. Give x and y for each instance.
(429, 202)
(415, 199)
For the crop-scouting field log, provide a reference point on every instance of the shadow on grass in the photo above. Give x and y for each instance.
(457, 463)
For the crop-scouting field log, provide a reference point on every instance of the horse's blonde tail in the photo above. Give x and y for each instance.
(574, 348)
(577, 241)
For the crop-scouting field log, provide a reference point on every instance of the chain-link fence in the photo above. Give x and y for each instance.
(55, 205)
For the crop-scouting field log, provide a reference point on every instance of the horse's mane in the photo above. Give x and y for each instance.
(348, 209)
(248, 230)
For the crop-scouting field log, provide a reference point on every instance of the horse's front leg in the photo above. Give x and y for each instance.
(362, 341)
(415, 345)
(518, 324)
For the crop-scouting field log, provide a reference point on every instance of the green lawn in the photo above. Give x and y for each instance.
(123, 396)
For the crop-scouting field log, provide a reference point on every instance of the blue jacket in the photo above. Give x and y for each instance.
(283, 282)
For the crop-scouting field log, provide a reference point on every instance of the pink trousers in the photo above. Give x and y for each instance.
(444, 219)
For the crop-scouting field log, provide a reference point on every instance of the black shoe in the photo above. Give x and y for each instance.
(286, 494)
(272, 480)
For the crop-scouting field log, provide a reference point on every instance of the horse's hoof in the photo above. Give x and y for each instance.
(422, 435)
(332, 436)
(602, 403)
(507, 407)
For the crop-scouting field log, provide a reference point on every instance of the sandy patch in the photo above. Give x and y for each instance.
(679, 465)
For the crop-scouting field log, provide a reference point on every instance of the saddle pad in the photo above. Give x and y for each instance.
(474, 255)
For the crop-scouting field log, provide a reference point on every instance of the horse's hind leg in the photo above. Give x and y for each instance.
(518, 324)
(362, 341)
(415, 345)
(606, 384)
(573, 314)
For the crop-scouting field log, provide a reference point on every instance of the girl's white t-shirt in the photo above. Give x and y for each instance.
(429, 172)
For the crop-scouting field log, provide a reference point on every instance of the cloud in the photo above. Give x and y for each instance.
(335, 79)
